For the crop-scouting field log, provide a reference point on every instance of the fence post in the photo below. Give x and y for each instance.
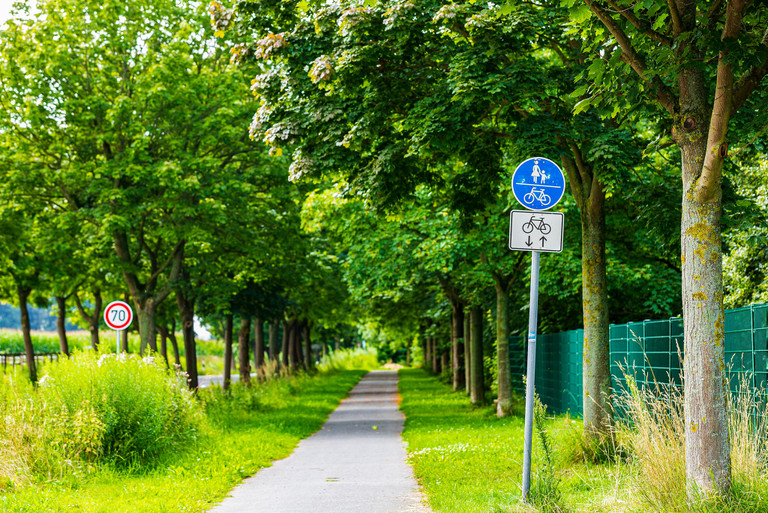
(752, 338)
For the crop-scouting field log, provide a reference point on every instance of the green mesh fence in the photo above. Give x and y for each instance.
(649, 351)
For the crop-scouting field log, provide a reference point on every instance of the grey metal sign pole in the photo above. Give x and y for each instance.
(533, 320)
(538, 184)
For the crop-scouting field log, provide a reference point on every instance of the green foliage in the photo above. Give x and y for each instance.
(124, 410)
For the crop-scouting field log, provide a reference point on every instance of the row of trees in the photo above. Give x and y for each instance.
(126, 171)
(404, 99)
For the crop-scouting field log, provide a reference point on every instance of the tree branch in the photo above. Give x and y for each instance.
(664, 94)
(749, 82)
(641, 25)
(722, 108)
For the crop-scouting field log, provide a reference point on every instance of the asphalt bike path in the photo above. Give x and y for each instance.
(355, 464)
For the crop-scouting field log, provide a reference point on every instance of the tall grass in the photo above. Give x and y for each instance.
(655, 432)
(349, 359)
(87, 410)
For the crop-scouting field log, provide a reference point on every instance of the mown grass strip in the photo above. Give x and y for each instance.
(469, 461)
(237, 443)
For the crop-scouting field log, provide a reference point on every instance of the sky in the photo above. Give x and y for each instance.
(5, 8)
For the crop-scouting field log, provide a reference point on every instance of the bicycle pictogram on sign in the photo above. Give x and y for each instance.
(538, 223)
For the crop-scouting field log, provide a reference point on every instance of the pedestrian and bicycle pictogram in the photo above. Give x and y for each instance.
(538, 183)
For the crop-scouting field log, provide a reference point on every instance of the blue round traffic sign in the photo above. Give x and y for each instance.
(538, 183)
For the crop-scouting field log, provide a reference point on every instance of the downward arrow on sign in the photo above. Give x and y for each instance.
(529, 243)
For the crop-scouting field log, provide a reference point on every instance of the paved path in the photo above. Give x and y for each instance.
(355, 464)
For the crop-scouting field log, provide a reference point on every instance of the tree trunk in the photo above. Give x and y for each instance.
(286, 345)
(477, 385)
(596, 377)
(147, 314)
(258, 346)
(163, 343)
(26, 333)
(504, 402)
(298, 332)
(309, 359)
(457, 345)
(435, 357)
(174, 343)
(124, 342)
(707, 447)
(92, 320)
(61, 324)
(274, 349)
(467, 356)
(445, 361)
(243, 345)
(187, 311)
(227, 352)
(428, 353)
(293, 342)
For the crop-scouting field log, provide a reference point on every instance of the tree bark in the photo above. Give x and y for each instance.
(124, 342)
(596, 375)
(286, 357)
(147, 314)
(227, 352)
(504, 402)
(477, 385)
(445, 361)
(187, 311)
(293, 344)
(243, 344)
(26, 332)
(309, 360)
(174, 343)
(707, 447)
(163, 343)
(457, 344)
(274, 349)
(436, 361)
(92, 320)
(61, 324)
(258, 346)
(467, 356)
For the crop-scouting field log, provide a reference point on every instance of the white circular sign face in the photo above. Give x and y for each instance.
(118, 315)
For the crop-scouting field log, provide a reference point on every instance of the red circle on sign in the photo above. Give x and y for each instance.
(118, 315)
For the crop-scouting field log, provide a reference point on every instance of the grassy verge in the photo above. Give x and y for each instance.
(244, 433)
(467, 460)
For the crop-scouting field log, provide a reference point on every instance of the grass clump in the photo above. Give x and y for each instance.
(119, 409)
(545, 492)
(655, 431)
(122, 411)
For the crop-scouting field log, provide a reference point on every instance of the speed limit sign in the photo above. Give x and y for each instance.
(118, 315)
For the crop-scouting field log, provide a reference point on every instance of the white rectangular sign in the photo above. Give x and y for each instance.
(531, 230)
